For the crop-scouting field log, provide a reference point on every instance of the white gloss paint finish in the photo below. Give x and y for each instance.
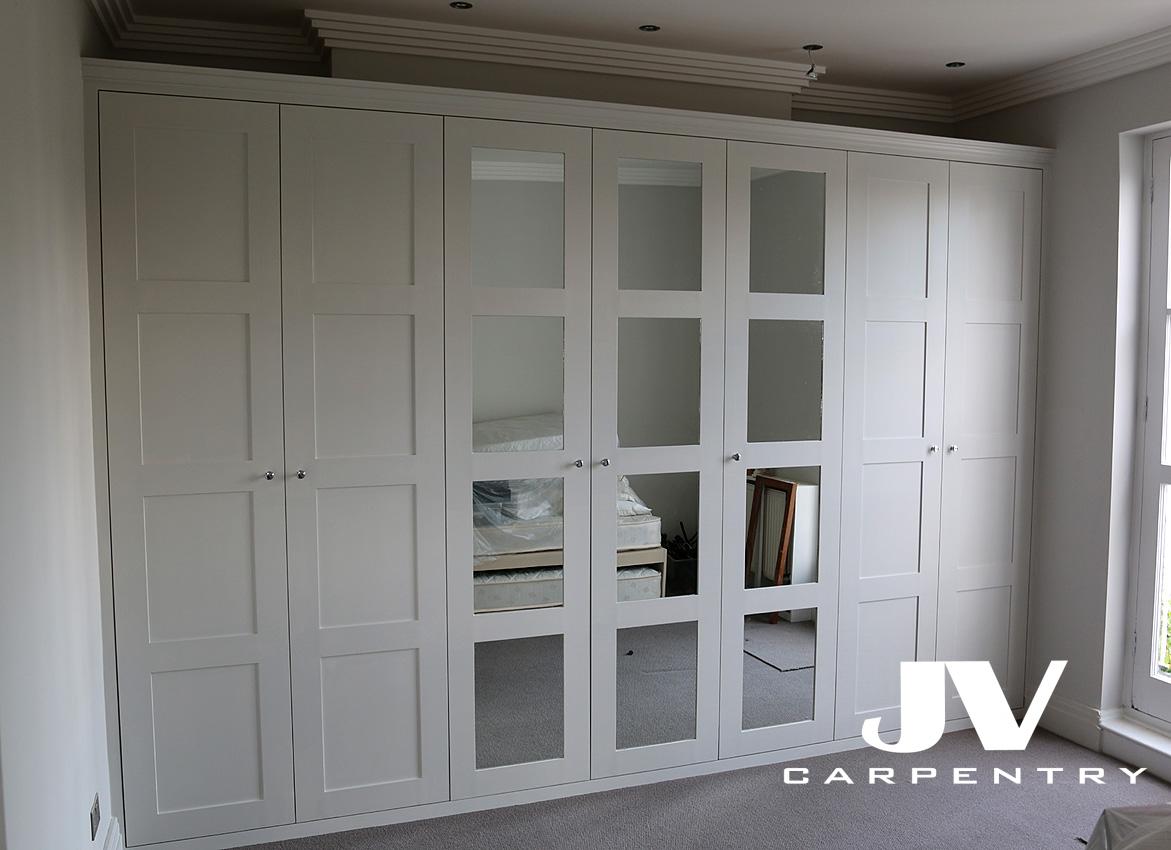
(362, 252)
(348, 673)
(896, 302)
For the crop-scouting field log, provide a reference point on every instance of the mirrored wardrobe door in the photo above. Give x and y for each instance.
(362, 248)
(895, 324)
(657, 421)
(781, 463)
(517, 287)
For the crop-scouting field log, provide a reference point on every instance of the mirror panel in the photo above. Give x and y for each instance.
(780, 652)
(518, 219)
(658, 544)
(518, 383)
(787, 232)
(785, 374)
(656, 684)
(660, 224)
(783, 526)
(658, 382)
(520, 700)
(518, 539)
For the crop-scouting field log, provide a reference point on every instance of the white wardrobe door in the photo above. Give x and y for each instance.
(896, 301)
(658, 353)
(363, 340)
(517, 295)
(994, 249)
(782, 418)
(192, 299)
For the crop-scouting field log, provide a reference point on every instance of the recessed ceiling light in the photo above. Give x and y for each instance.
(460, 4)
(650, 28)
(955, 64)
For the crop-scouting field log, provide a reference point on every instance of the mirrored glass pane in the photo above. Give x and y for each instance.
(779, 655)
(787, 232)
(520, 700)
(656, 684)
(517, 533)
(782, 527)
(518, 383)
(784, 380)
(518, 219)
(658, 535)
(660, 224)
(658, 382)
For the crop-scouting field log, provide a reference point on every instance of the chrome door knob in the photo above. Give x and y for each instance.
(953, 449)
(301, 473)
(605, 461)
(579, 463)
(269, 474)
(932, 449)
(736, 456)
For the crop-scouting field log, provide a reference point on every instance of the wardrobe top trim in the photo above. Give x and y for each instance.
(227, 84)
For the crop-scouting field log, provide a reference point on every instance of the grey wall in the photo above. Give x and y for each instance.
(1090, 344)
(52, 722)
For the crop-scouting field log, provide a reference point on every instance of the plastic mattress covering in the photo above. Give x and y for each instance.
(1133, 828)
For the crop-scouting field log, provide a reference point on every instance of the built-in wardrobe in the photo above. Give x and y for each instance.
(461, 450)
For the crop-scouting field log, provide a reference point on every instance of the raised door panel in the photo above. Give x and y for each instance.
(781, 462)
(895, 321)
(993, 290)
(363, 322)
(191, 300)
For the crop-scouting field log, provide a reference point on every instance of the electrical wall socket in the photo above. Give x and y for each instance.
(95, 818)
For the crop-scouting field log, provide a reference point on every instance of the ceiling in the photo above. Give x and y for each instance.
(893, 44)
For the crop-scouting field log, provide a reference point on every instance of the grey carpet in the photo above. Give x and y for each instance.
(519, 707)
(783, 645)
(753, 809)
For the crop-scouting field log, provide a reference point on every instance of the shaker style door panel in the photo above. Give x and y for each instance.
(896, 302)
(786, 230)
(517, 301)
(362, 248)
(192, 301)
(993, 292)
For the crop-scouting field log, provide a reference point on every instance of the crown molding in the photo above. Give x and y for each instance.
(1087, 69)
(128, 30)
(477, 44)
(857, 100)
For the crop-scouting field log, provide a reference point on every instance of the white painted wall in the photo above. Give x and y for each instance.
(1090, 344)
(52, 722)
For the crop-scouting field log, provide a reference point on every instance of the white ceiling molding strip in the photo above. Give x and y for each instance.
(1096, 66)
(129, 30)
(476, 44)
(855, 100)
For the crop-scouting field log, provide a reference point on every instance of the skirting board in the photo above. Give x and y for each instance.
(1073, 721)
(516, 798)
(1137, 740)
(113, 839)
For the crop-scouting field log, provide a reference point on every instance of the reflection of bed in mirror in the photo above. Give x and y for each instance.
(518, 528)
